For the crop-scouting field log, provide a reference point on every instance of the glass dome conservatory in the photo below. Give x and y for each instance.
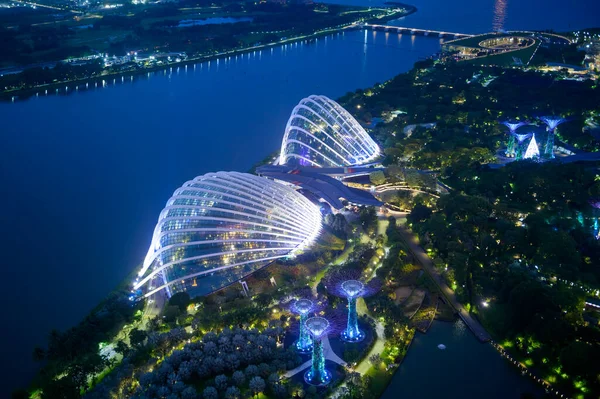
(222, 226)
(321, 133)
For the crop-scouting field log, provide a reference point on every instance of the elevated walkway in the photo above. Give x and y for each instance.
(316, 181)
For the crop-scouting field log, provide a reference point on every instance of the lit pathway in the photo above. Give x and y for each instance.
(427, 264)
(365, 364)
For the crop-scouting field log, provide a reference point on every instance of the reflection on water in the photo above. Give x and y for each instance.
(499, 15)
(221, 114)
(459, 330)
(466, 368)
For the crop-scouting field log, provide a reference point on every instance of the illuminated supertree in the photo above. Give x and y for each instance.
(595, 203)
(345, 283)
(318, 374)
(303, 308)
(512, 127)
(551, 123)
(519, 146)
(352, 289)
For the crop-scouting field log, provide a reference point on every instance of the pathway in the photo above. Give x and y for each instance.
(329, 355)
(428, 266)
(365, 364)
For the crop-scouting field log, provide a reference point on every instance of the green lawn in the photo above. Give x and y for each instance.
(380, 379)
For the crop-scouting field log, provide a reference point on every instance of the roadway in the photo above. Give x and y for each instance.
(426, 32)
(428, 266)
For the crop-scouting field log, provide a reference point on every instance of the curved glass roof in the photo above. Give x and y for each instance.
(321, 133)
(222, 226)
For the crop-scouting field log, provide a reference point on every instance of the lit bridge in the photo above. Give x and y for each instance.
(414, 31)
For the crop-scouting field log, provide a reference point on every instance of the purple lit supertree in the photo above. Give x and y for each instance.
(353, 289)
(346, 283)
(552, 123)
(512, 127)
(317, 374)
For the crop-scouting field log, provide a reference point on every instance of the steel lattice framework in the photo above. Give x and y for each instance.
(512, 127)
(551, 123)
(321, 133)
(222, 226)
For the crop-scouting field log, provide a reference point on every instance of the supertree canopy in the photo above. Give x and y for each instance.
(345, 283)
(512, 127)
(317, 374)
(551, 122)
(303, 307)
(353, 289)
(519, 146)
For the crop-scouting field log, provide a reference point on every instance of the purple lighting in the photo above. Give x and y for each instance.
(521, 137)
(552, 121)
(513, 126)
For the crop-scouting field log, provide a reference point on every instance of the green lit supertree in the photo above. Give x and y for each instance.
(303, 308)
(510, 147)
(520, 146)
(551, 123)
(352, 289)
(318, 374)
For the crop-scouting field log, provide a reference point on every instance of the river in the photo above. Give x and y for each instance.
(465, 369)
(85, 175)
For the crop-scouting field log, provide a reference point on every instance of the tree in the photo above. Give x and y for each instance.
(580, 359)
(189, 393)
(122, 348)
(221, 382)
(171, 313)
(238, 378)
(181, 300)
(377, 178)
(419, 213)
(264, 370)
(232, 393)
(251, 371)
(210, 393)
(375, 359)
(137, 337)
(39, 354)
(257, 385)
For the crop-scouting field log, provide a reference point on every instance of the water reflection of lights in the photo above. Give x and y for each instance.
(499, 15)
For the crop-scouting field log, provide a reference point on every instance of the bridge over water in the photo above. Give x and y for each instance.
(415, 31)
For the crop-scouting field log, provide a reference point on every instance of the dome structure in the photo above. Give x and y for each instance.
(321, 133)
(222, 226)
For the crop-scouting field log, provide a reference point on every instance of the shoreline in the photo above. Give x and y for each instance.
(26, 93)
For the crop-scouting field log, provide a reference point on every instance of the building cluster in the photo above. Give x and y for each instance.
(220, 227)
